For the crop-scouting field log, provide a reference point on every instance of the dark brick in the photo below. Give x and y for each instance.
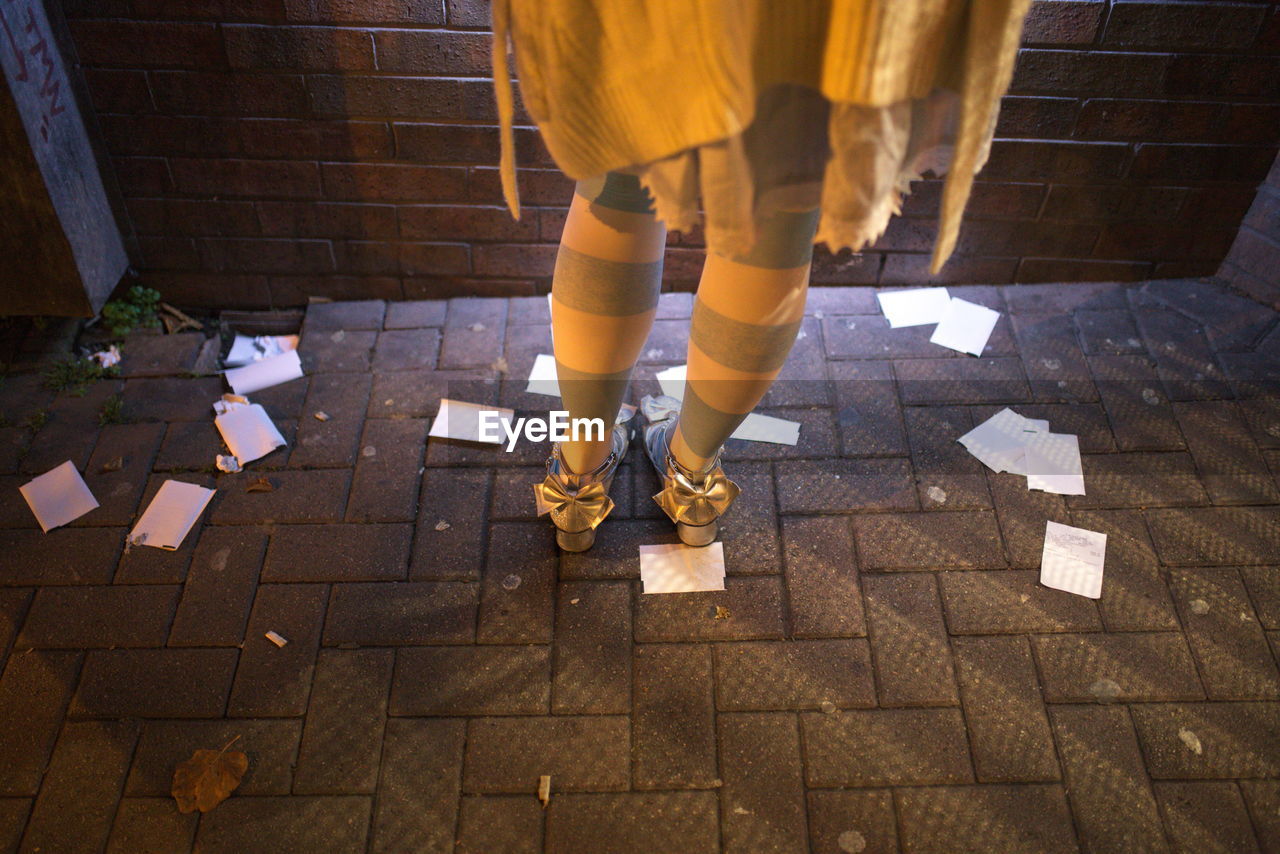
(1146, 666)
(519, 611)
(762, 803)
(336, 350)
(673, 725)
(1183, 358)
(401, 613)
(845, 486)
(1056, 22)
(1139, 480)
(995, 380)
(821, 578)
(1027, 818)
(940, 462)
(220, 93)
(271, 681)
(154, 683)
(1021, 514)
(141, 44)
(1053, 361)
(803, 379)
(1263, 798)
(438, 54)
(580, 754)
(119, 91)
(464, 346)
(1147, 120)
(1228, 461)
(418, 393)
(1195, 26)
(1101, 203)
(350, 12)
(1135, 597)
(1012, 602)
(1205, 814)
(1004, 710)
(754, 606)
(1236, 739)
(1059, 72)
(324, 219)
(387, 476)
(1048, 299)
(171, 399)
(219, 588)
(593, 648)
(406, 349)
(867, 410)
(298, 48)
(1229, 646)
(494, 823)
(1108, 331)
(471, 680)
(793, 675)
(1141, 417)
(62, 556)
(119, 491)
(1033, 159)
(590, 822)
(342, 739)
(870, 337)
(387, 182)
(817, 439)
(13, 608)
(84, 617)
(928, 541)
(150, 824)
(327, 444)
(912, 656)
(323, 140)
(296, 496)
(458, 497)
(1221, 536)
(415, 314)
(81, 788)
(1040, 118)
(893, 746)
(35, 689)
(1260, 581)
(160, 355)
(415, 98)
(297, 823)
(338, 553)
(844, 819)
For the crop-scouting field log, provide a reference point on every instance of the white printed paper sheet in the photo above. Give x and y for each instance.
(170, 515)
(677, 568)
(1073, 559)
(58, 496)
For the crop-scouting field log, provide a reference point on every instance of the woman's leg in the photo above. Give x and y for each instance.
(604, 296)
(745, 318)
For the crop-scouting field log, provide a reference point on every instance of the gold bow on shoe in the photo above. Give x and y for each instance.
(572, 509)
(696, 503)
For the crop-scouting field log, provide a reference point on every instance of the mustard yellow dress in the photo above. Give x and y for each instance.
(729, 110)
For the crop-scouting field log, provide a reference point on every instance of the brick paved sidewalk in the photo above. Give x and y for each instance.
(889, 675)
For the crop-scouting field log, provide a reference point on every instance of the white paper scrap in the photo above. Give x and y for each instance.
(672, 381)
(248, 432)
(543, 379)
(677, 568)
(1053, 464)
(914, 307)
(170, 515)
(965, 326)
(246, 349)
(265, 373)
(461, 420)
(58, 496)
(1073, 560)
(754, 428)
(1001, 441)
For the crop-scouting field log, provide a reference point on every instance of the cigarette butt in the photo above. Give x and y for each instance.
(276, 639)
(544, 789)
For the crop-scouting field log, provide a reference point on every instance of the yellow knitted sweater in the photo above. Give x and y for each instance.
(612, 83)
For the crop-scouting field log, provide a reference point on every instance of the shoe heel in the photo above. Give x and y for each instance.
(697, 535)
(575, 541)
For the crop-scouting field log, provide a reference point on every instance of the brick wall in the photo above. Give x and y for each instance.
(1253, 264)
(275, 149)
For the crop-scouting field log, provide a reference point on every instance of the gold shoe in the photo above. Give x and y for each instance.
(578, 503)
(694, 500)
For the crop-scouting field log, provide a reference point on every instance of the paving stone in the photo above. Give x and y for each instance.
(513, 493)
(22, 395)
(673, 724)
(1221, 536)
(668, 342)
(473, 332)
(1134, 594)
(153, 825)
(616, 553)
(1021, 514)
(674, 306)
(327, 444)
(940, 462)
(99, 616)
(387, 481)
(296, 496)
(822, 578)
(171, 399)
(119, 491)
(1139, 480)
(764, 675)
(14, 510)
(1263, 798)
(1008, 728)
(954, 540)
(219, 588)
(762, 802)
(518, 610)
(406, 349)
(274, 681)
(189, 445)
(500, 823)
(844, 820)
(342, 737)
(1146, 667)
(398, 613)
(1108, 331)
(417, 394)
(909, 641)
(754, 606)
(749, 531)
(1026, 818)
(989, 380)
(1183, 357)
(1205, 816)
(284, 400)
(64, 436)
(339, 397)
(160, 355)
(521, 347)
(35, 689)
(1265, 593)
(13, 609)
(845, 486)
(590, 823)
(1047, 298)
(1230, 465)
(338, 553)
(1012, 602)
(1211, 304)
(270, 744)
(1052, 358)
(336, 351)
(894, 747)
(1262, 414)
(534, 310)
(841, 300)
(871, 337)
(868, 415)
(458, 497)
(1141, 416)
(1252, 375)
(593, 648)
(347, 314)
(295, 823)
(13, 443)
(154, 683)
(472, 680)
(1088, 421)
(1225, 636)
(77, 800)
(1236, 739)
(580, 753)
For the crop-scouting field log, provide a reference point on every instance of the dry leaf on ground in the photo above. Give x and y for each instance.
(208, 777)
(259, 485)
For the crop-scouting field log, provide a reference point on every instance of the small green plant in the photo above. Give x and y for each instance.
(112, 411)
(137, 308)
(74, 375)
(36, 420)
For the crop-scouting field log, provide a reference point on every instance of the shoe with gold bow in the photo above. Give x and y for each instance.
(578, 503)
(693, 499)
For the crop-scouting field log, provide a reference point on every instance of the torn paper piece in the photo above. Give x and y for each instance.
(460, 420)
(1001, 441)
(965, 326)
(58, 496)
(248, 432)
(677, 568)
(1073, 559)
(277, 639)
(228, 402)
(914, 307)
(265, 373)
(170, 515)
(246, 349)
(108, 357)
(227, 463)
(754, 428)
(549, 302)
(543, 379)
(1053, 464)
(672, 381)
